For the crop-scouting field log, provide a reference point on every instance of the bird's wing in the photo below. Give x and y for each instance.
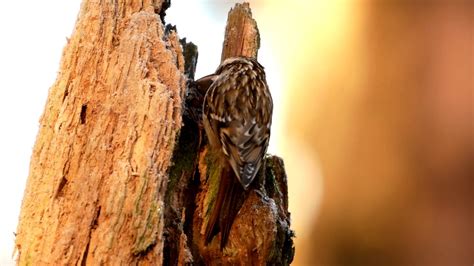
(245, 144)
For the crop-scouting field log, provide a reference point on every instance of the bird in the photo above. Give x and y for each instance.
(236, 116)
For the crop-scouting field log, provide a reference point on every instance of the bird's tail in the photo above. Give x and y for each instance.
(230, 197)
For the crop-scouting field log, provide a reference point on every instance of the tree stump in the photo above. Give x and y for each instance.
(116, 173)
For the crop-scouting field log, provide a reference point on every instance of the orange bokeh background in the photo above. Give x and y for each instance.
(376, 128)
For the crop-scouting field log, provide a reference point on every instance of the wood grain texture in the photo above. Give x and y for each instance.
(98, 172)
(242, 37)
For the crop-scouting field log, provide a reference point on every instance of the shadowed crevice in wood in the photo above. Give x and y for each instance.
(183, 177)
(83, 114)
(62, 184)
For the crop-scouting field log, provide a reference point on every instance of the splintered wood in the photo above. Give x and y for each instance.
(99, 166)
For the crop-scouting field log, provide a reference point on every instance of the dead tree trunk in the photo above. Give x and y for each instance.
(98, 172)
(114, 176)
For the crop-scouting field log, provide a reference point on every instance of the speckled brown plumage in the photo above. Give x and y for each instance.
(237, 114)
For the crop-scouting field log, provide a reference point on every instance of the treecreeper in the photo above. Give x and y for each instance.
(237, 115)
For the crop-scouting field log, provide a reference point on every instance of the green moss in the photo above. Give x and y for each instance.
(121, 202)
(148, 233)
(271, 184)
(144, 182)
(213, 179)
(184, 156)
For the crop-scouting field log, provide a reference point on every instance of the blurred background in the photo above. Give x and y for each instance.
(373, 117)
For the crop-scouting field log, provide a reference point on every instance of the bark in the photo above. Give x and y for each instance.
(119, 172)
(98, 172)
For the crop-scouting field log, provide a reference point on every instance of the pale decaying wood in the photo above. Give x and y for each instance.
(99, 166)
